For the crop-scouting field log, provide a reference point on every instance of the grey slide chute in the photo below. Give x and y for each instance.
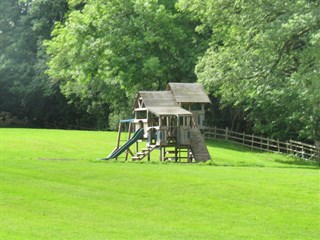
(137, 135)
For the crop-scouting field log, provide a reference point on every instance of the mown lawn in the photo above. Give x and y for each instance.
(53, 187)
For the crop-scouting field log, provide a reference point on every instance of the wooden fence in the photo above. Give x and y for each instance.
(299, 149)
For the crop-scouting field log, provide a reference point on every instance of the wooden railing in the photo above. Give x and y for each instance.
(299, 149)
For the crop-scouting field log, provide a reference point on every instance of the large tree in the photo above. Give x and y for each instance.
(264, 58)
(24, 87)
(109, 50)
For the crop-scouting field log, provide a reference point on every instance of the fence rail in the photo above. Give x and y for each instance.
(299, 149)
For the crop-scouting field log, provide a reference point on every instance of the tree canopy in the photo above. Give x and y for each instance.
(109, 50)
(259, 60)
(264, 58)
(24, 87)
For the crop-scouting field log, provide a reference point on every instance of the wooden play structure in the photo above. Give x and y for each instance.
(169, 121)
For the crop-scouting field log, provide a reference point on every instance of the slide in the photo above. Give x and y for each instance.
(137, 135)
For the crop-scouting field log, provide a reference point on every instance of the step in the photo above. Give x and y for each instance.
(171, 152)
(147, 149)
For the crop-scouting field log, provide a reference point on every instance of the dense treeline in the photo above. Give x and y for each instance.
(27, 96)
(259, 60)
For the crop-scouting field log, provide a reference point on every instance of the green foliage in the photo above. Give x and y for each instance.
(111, 49)
(24, 88)
(51, 187)
(264, 59)
(259, 58)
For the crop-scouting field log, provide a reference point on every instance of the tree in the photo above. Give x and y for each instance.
(24, 87)
(264, 59)
(108, 51)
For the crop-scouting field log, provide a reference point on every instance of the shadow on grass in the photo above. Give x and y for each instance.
(285, 164)
(300, 162)
(289, 162)
(230, 146)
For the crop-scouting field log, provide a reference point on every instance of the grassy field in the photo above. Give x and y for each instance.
(53, 187)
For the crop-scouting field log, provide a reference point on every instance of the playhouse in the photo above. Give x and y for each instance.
(169, 121)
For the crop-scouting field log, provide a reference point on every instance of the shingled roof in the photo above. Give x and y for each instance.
(158, 99)
(162, 103)
(167, 102)
(188, 92)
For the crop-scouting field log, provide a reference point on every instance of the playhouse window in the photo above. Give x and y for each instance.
(200, 119)
(196, 107)
(181, 121)
(188, 121)
(172, 121)
(184, 121)
(164, 121)
(141, 114)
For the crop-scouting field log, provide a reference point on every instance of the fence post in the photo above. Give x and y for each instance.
(294, 148)
(215, 132)
(268, 144)
(278, 145)
(290, 147)
(226, 134)
(243, 137)
(252, 140)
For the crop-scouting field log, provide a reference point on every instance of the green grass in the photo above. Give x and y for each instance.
(52, 187)
(229, 154)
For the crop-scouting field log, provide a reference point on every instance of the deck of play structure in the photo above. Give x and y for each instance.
(169, 121)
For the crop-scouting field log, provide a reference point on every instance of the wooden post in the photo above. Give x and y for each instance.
(252, 140)
(129, 136)
(137, 146)
(215, 132)
(176, 153)
(290, 147)
(278, 145)
(161, 159)
(243, 136)
(226, 134)
(268, 143)
(148, 155)
(119, 136)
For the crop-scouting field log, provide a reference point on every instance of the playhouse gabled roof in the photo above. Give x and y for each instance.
(188, 92)
(161, 103)
(158, 99)
(167, 102)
